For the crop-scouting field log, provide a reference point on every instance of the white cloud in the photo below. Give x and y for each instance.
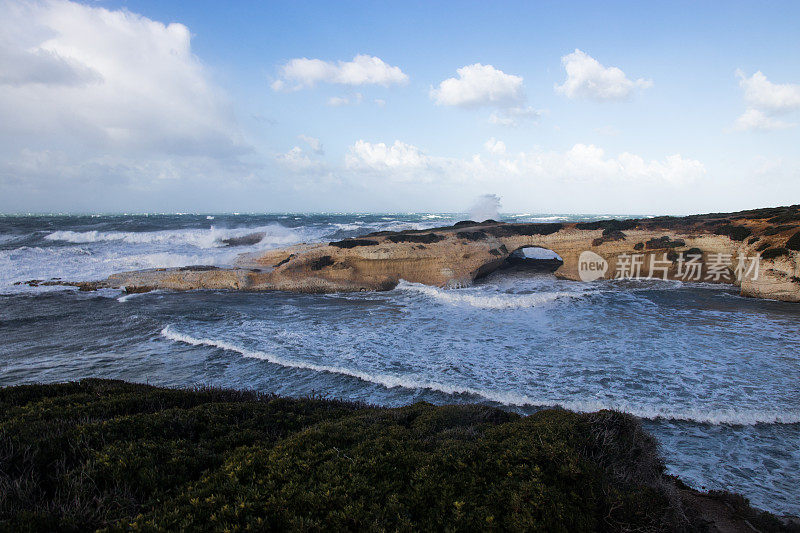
(765, 100)
(108, 89)
(514, 116)
(585, 164)
(39, 66)
(364, 69)
(312, 143)
(297, 160)
(480, 85)
(588, 79)
(339, 101)
(760, 93)
(589, 163)
(380, 156)
(755, 120)
(495, 147)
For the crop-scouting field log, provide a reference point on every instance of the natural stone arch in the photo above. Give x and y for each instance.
(534, 259)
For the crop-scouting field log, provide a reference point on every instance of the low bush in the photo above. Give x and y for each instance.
(111, 455)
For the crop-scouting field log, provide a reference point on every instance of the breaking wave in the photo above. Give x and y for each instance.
(200, 238)
(741, 417)
(486, 300)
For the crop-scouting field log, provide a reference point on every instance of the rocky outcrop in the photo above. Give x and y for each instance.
(708, 247)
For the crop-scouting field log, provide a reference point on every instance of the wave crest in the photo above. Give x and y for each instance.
(486, 301)
(199, 237)
(740, 417)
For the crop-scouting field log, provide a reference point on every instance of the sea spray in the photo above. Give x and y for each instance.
(480, 300)
(485, 207)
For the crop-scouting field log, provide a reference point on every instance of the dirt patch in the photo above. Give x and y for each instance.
(664, 242)
(472, 235)
(424, 238)
(735, 233)
(772, 253)
(283, 262)
(794, 242)
(510, 230)
(353, 243)
(323, 262)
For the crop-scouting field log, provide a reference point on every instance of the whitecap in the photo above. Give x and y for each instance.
(125, 297)
(199, 237)
(731, 416)
(485, 300)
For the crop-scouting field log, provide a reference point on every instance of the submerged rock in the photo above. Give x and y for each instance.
(245, 240)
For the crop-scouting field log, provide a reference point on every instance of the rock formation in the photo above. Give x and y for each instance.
(707, 247)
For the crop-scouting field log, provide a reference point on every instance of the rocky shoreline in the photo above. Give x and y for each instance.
(457, 255)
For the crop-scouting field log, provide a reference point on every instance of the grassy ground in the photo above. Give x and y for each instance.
(100, 454)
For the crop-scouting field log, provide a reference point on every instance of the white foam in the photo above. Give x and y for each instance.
(549, 219)
(199, 238)
(384, 380)
(125, 297)
(485, 300)
(81, 263)
(397, 225)
(741, 417)
(348, 227)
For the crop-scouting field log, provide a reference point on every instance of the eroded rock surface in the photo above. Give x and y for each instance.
(455, 256)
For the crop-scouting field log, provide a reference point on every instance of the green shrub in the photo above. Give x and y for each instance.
(100, 454)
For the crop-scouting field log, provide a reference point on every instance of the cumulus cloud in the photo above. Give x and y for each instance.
(480, 85)
(495, 147)
(46, 67)
(588, 79)
(107, 89)
(312, 143)
(581, 163)
(364, 69)
(514, 116)
(756, 120)
(765, 101)
(339, 101)
(297, 160)
(590, 163)
(380, 156)
(762, 94)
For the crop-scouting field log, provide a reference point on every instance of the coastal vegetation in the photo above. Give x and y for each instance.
(111, 455)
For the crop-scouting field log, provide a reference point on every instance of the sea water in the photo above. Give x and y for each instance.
(714, 376)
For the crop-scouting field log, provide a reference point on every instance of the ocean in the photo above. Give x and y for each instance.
(715, 377)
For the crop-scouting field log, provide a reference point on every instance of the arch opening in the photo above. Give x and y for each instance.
(534, 259)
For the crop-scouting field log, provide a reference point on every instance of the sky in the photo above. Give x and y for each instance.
(555, 107)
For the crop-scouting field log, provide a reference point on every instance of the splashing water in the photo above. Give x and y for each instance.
(485, 207)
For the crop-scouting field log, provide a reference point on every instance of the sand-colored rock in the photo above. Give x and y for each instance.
(455, 256)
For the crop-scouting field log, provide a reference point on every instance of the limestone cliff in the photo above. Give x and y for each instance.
(455, 256)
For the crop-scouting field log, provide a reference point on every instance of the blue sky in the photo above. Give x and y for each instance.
(105, 106)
